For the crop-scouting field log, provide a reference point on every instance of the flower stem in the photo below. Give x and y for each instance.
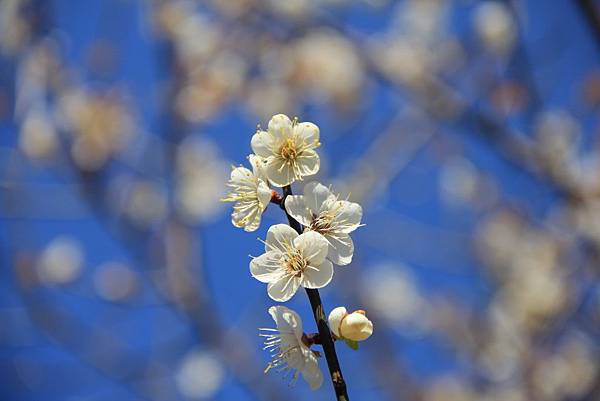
(339, 385)
(276, 199)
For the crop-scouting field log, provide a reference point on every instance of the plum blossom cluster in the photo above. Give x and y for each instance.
(302, 254)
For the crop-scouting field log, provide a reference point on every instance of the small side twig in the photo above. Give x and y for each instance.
(311, 339)
(277, 199)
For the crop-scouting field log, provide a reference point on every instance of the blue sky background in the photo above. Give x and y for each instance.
(34, 365)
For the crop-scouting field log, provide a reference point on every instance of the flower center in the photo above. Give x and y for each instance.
(295, 264)
(288, 151)
(322, 222)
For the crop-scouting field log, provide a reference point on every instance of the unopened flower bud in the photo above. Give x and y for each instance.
(335, 319)
(353, 326)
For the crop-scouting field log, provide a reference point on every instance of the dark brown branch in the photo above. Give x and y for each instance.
(339, 385)
(592, 16)
(311, 339)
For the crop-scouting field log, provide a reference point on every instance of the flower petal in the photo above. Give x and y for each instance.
(279, 172)
(313, 246)
(258, 166)
(241, 175)
(312, 373)
(296, 208)
(262, 143)
(267, 268)
(280, 126)
(279, 237)
(252, 223)
(317, 276)
(315, 194)
(246, 214)
(348, 216)
(284, 288)
(294, 358)
(341, 249)
(335, 319)
(287, 320)
(308, 163)
(263, 193)
(307, 133)
(356, 326)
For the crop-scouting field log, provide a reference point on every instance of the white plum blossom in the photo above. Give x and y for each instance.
(293, 257)
(289, 352)
(288, 149)
(321, 211)
(290, 261)
(251, 194)
(350, 326)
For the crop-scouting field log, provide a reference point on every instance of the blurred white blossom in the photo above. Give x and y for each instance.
(200, 176)
(38, 138)
(15, 29)
(449, 388)
(61, 261)
(495, 26)
(557, 135)
(327, 65)
(569, 372)
(394, 296)
(459, 182)
(200, 375)
(115, 281)
(100, 126)
(146, 202)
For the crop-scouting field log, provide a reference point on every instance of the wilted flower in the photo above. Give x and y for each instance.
(320, 210)
(288, 351)
(350, 326)
(288, 149)
(250, 193)
(290, 261)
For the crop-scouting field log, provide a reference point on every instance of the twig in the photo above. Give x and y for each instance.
(592, 16)
(339, 385)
